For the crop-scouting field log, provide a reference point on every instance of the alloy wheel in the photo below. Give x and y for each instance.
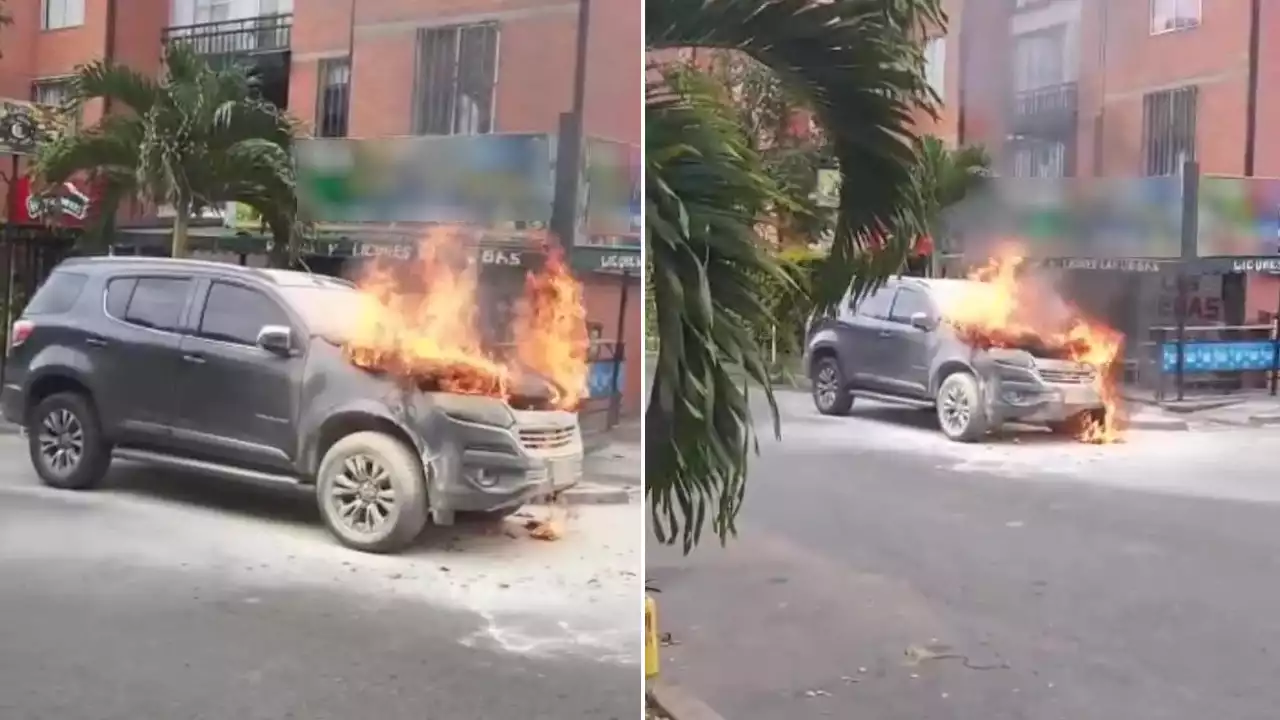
(955, 409)
(362, 496)
(61, 441)
(826, 387)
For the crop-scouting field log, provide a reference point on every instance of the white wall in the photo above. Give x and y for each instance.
(1060, 12)
(183, 11)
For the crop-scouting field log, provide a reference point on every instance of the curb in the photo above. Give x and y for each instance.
(1264, 419)
(8, 428)
(593, 494)
(678, 703)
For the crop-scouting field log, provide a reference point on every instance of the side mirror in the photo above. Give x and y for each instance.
(921, 321)
(276, 339)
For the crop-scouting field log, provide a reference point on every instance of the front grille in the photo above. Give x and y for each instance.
(547, 438)
(1070, 377)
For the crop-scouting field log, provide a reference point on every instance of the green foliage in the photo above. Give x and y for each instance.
(198, 137)
(858, 64)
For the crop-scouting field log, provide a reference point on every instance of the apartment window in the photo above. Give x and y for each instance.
(1169, 129)
(209, 11)
(51, 92)
(457, 71)
(935, 64)
(1040, 159)
(57, 14)
(1039, 59)
(1171, 15)
(334, 98)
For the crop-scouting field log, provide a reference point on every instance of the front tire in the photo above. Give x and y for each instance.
(830, 393)
(371, 489)
(64, 438)
(962, 414)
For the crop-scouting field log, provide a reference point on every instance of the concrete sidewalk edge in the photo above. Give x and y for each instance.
(678, 703)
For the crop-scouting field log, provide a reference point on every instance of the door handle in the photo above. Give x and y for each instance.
(95, 342)
(193, 358)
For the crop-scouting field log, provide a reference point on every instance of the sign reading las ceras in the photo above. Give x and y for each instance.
(23, 126)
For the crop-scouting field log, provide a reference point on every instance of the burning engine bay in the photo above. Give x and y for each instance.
(419, 324)
(1014, 319)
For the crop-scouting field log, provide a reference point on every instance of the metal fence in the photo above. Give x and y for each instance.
(27, 256)
(1209, 359)
(602, 410)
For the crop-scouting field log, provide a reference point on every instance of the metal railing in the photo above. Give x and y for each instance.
(261, 34)
(1045, 109)
(602, 410)
(1214, 359)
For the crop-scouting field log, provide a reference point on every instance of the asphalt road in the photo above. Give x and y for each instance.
(884, 573)
(166, 597)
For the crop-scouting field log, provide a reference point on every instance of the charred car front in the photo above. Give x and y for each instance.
(893, 346)
(239, 372)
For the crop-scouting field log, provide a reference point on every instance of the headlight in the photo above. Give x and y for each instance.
(478, 409)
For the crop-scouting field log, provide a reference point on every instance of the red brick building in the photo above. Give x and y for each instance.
(377, 68)
(1122, 88)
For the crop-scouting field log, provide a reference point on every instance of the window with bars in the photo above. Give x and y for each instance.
(1169, 129)
(456, 75)
(54, 92)
(333, 101)
(58, 14)
(935, 64)
(1040, 159)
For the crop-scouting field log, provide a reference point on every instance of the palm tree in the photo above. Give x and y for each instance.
(946, 176)
(859, 65)
(198, 137)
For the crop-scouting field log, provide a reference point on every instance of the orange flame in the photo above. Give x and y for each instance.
(1006, 310)
(419, 322)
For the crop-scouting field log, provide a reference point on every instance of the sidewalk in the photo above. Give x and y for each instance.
(1255, 408)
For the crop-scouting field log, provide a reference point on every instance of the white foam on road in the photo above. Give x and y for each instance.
(1188, 462)
(574, 596)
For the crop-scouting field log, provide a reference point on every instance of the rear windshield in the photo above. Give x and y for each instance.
(58, 294)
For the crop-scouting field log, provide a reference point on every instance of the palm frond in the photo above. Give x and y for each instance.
(120, 83)
(859, 65)
(705, 191)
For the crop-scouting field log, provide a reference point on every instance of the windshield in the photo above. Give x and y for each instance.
(331, 311)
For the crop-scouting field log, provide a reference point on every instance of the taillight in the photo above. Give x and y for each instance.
(22, 330)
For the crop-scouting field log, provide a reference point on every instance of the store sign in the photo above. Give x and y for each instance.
(501, 258)
(1267, 265)
(24, 125)
(1127, 265)
(68, 204)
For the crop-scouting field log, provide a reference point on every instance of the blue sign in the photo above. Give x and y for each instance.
(1203, 357)
(600, 378)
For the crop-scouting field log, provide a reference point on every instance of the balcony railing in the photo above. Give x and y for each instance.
(1050, 109)
(262, 34)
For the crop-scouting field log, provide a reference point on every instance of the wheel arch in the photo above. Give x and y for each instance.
(346, 422)
(51, 381)
(946, 369)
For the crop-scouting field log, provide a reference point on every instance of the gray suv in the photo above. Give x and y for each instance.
(893, 346)
(239, 372)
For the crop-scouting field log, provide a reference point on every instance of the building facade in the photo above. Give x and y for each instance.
(371, 69)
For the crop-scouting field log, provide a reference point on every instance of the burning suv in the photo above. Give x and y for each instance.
(960, 348)
(243, 373)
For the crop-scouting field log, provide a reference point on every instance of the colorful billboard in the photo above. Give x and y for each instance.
(468, 179)
(614, 215)
(1239, 217)
(1073, 218)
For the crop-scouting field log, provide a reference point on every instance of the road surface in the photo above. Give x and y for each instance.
(883, 572)
(169, 596)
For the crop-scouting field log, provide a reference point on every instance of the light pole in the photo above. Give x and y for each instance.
(571, 140)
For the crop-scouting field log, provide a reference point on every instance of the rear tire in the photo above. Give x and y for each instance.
(64, 438)
(371, 489)
(962, 414)
(830, 393)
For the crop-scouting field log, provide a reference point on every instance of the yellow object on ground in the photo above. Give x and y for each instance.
(650, 638)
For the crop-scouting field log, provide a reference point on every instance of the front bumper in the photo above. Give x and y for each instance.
(487, 468)
(1039, 402)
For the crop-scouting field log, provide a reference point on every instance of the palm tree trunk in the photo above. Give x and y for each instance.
(181, 221)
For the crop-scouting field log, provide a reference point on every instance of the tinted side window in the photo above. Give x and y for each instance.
(907, 304)
(877, 304)
(157, 303)
(57, 295)
(235, 314)
(119, 291)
